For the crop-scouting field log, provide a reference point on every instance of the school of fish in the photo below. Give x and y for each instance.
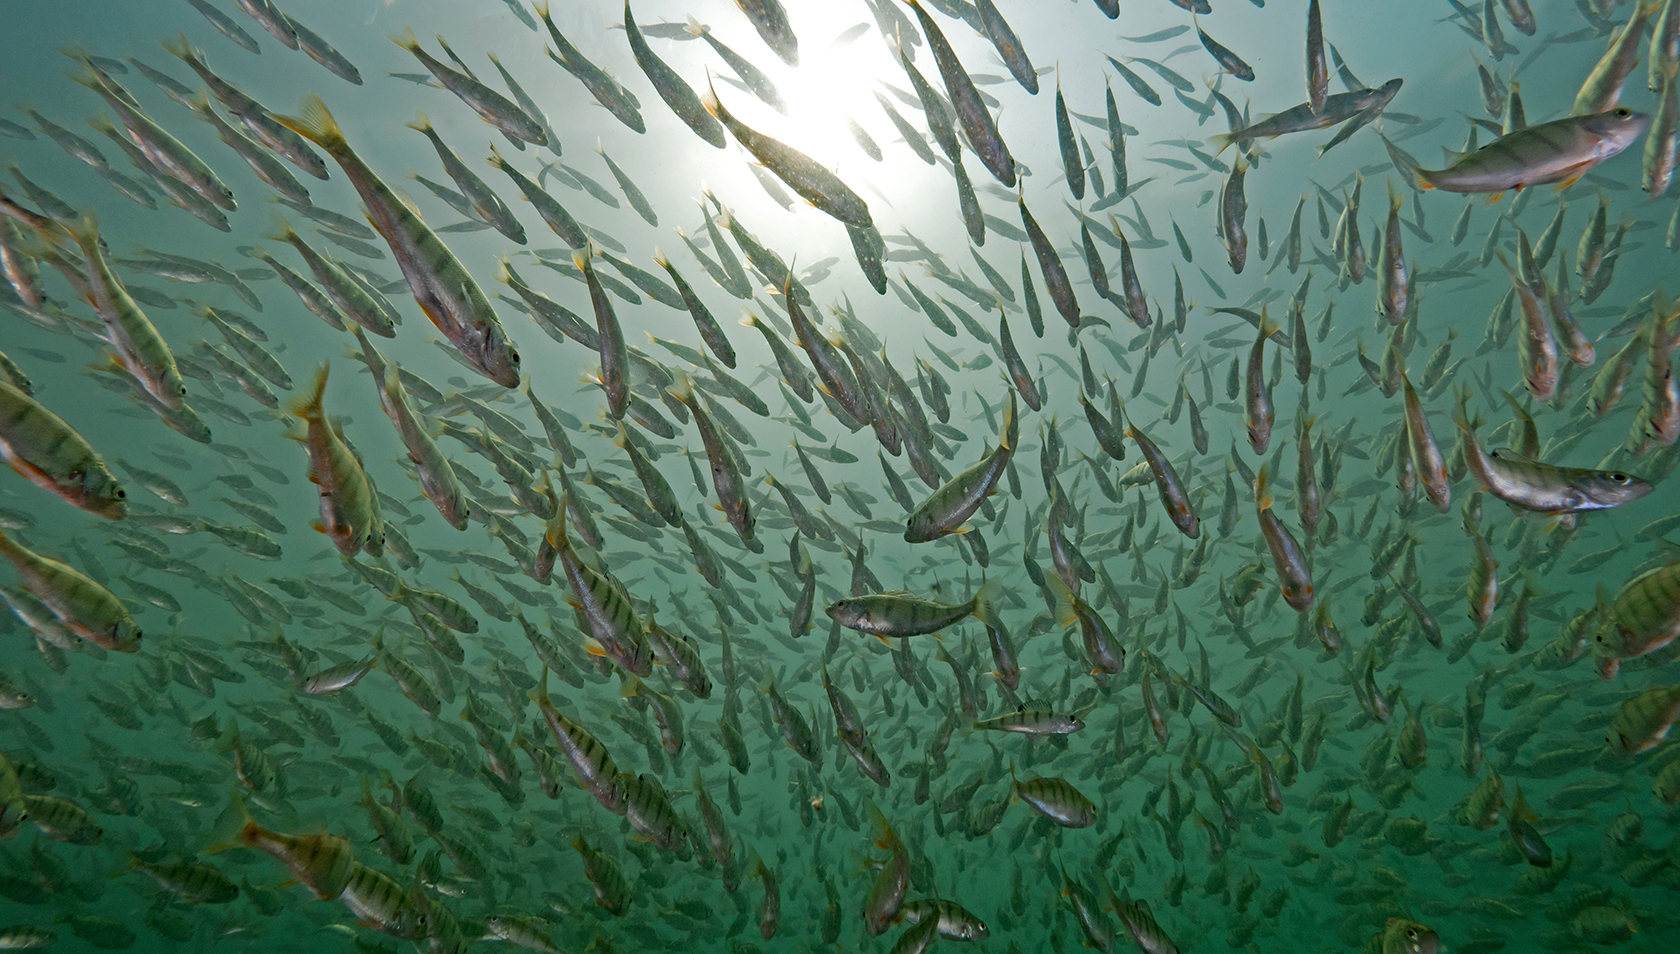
(766, 696)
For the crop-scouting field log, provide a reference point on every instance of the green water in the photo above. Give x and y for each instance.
(143, 742)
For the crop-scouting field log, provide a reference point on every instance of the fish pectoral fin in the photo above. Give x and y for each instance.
(1575, 173)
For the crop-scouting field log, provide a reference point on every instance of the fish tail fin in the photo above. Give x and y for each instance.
(539, 695)
(661, 259)
(1262, 488)
(308, 405)
(1011, 426)
(315, 122)
(983, 609)
(695, 27)
(1066, 613)
(283, 232)
(181, 48)
(231, 827)
(496, 159)
(555, 534)
(406, 39)
(1461, 411)
(1409, 170)
(581, 256)
(1520, 808)
(1223, 141)
(422, 124)
(683, 389)
(709, 99)
(885, 837)
(1395, 199)
(85, 230)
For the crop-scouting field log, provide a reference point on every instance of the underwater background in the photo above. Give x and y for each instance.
(1242, 773)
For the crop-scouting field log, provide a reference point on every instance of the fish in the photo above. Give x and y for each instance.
(446, 293)
(972, 113)
(139, 348)
(815, 184)
(946, 510)
(900, 614)
(349, 506)
(1543, 488)
(769, 18)
(1560, 151)
(671, 87)
(81, 605)
(41, 447)
(491, 106)
(606, 90)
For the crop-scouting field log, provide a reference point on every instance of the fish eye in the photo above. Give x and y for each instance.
(1619, 478)
(121, 493)
(1623, 112)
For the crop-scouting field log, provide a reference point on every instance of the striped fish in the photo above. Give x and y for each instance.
(84, 607)
(1056, 799)
(604, 604)
(41, 447)
(1560, 151)
(349, 506)
(1643, 618)
(595, 770)
(442, 286)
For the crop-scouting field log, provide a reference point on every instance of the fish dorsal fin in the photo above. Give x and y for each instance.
(1454, 156)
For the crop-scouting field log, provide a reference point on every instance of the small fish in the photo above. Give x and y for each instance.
(1560, 151)
(349, 505)
(676, 93)
(770, 19)
(814, 183)
(491, 106)
(1540, 487)
(617, 100)
(441, 285)
(81, 605)
(971, 111)
(900, 614)
(41, 447)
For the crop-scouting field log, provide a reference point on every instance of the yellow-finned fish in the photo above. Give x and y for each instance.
(1426, 454)
(1544, 488)
(349, 506)
(1560, 151)
(1294, 576)
(442, 286)
(437, 475)
(900, 614)
(40, 446)
(84, 607)
(944, 511)
(139, 346)
(815, 184)
(1643, 721)
(1643, 618)
(603, 602)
